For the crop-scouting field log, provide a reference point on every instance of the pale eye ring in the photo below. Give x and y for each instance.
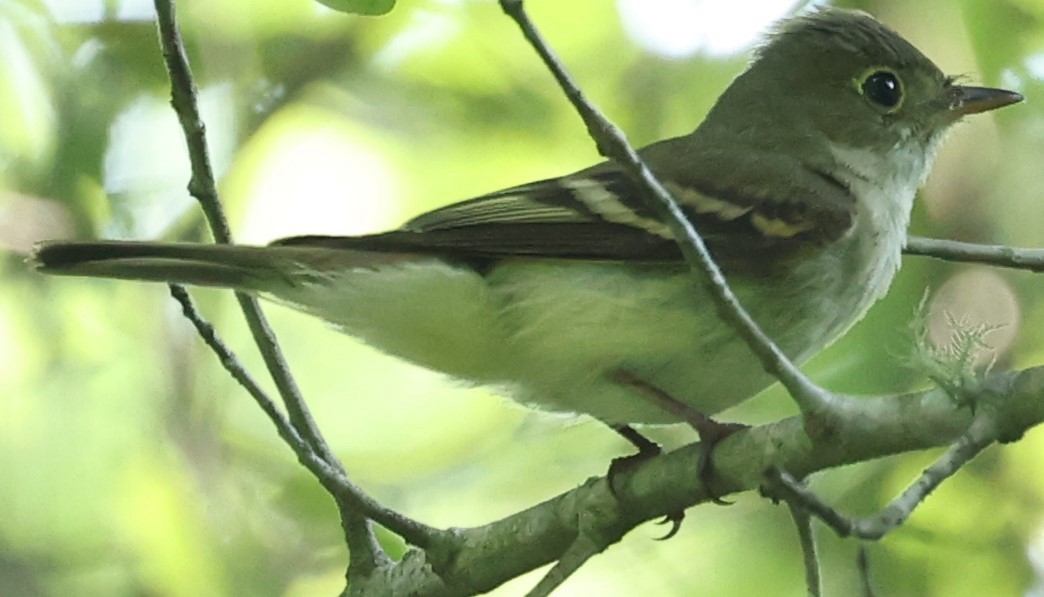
(883, 88)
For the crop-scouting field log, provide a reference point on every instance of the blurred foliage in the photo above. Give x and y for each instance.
(131, 465)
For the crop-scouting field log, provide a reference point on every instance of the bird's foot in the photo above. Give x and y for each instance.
(647, 449)
(711, 432)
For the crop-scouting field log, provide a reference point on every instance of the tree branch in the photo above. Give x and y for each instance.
(301, 434)
(202, 187)
(996, 255)
(871, 428)
(863, 565)
(813, 400)
(809, 550)
(978, 437)
(331, 477)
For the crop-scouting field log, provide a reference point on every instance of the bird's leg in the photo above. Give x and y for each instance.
(647, 448)
(710, 431)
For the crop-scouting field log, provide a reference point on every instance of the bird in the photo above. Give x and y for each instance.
(570, 294)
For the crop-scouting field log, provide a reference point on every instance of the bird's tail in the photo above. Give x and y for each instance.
(411, 305)
(228, 266)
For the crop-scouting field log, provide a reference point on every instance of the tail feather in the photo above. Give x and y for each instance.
(228, 266)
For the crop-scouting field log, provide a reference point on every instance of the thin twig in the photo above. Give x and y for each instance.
(576, 556)
(977, 438)
(612, 143)
(809, 550)
(307, 441)
(231, 363)
(791, 490)
(863, 565)
(997, 255)
(183, 96)
(203, 188)
(331, 477)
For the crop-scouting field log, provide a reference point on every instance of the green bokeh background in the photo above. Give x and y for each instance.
(130, 464)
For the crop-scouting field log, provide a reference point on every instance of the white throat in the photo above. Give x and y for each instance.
(884, 186)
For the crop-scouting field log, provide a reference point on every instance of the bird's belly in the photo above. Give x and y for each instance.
(573, 326)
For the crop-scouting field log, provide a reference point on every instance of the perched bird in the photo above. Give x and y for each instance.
(570, 292)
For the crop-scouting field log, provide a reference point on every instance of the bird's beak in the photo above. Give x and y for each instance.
(972, 100)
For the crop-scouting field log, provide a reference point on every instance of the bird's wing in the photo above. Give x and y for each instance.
(599, 214)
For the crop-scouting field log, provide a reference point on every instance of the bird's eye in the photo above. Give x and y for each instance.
(882, 87)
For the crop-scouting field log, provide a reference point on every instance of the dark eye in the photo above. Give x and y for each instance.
(882, 88)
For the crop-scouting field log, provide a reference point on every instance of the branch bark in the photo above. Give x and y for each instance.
(995, 255)
(300, 430)
(492, 554)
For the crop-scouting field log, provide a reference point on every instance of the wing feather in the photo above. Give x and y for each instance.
(598, 213)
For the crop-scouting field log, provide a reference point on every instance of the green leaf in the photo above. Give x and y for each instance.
(361, 7)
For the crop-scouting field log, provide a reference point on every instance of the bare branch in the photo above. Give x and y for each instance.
(809, 551)
(998, 255)
(612, 143)
(980, 435)
(576, 556)
(183, 99)
(863, 565)
(331, 477)
(302, 434)
(548, 532)
(202, 187)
